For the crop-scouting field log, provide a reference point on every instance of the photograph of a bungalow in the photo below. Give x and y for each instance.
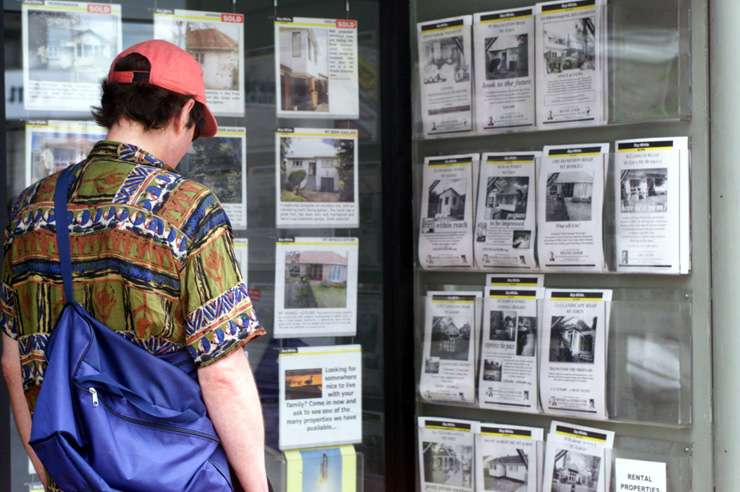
(319, 170)
(507, 56)
(216, 48)
(315, 279)
(569, 196)
(446, 200)
(575, 472)
(304, 69)
(506, 470)
(506, 198)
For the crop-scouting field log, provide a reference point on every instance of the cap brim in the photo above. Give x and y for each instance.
(210, 125)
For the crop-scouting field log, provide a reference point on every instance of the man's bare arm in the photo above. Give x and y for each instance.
(11, 363)
(230, 394)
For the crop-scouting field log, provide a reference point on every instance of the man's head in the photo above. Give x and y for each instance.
(154, 97)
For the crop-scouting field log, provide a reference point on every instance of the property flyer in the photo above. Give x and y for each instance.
(638, 475)
(575, 334)
(505, 226)
(570, 207)
(241, 250)
(320, 396)
(508, 359)
(572, 88)
(446, 454)
(651, 184)
(504, 74)
(316, 68)
(67, 50)
(446, 229)
(445, 75)
(55, 144)
(216, 41)
(220, 162)
(578, 458)
(315, 287)
(508, 458)
(451, 328)
(321, 470)
(316, 178)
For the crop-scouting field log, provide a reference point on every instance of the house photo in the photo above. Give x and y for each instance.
(52, 152)
(506, 198)
(317, 170)
(446, 200)
(644, 190)
(569, 196)
(304, 69)
(450, 338)
(507, 471)
(572, 339)
(450, 465)
(574, 471)
(216, 48)
(315, 279)
(507, 57)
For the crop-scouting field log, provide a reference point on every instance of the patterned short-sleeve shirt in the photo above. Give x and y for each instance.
(153, 259)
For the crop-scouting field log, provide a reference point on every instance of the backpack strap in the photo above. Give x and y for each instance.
(61, 195)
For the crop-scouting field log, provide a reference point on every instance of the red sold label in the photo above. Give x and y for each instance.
(235, 18)
(96, 8)
(346, 24)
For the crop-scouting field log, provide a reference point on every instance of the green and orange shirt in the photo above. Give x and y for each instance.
(153, 259)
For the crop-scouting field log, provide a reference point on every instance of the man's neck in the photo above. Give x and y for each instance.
(152, 141)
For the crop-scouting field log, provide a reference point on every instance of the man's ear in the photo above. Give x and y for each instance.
(182, 119)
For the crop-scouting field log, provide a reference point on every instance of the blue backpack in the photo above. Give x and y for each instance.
(110, 416)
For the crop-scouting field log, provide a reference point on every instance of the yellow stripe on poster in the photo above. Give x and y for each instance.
(513, 297)
(645, 149)
(453, 302)
(584, 438)
(576, 299)
(294, 472)
(305, 24)
(288, 243)
(509, 436)
(569, 9)
(323, 352)
(506, 19)
(439, 427)
(503, 163)
(349, 468)
(348, 134)
(451, 164)
(443, 29)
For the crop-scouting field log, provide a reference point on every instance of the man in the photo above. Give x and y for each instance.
(153, 254)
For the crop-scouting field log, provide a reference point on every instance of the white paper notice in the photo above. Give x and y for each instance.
(320, 396)
(571, 63)
(570, 206)
(216, 41)
(575, 332)
(67, 50)
(241, 250)
(446, 454)
(578, 458)
(445, 75)
(506, 216)
(640, 476)
(316, 287)
(651, 182)
(508, 359)
(316, 178)
(446, 229)
(53, 145)
(508, 456)
(316, 68)
(451, 328)
(504, 75)
(220, 162)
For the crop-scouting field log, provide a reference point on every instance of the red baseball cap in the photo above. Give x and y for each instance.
(172, 68)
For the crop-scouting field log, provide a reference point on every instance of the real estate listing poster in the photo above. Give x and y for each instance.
(220, 162)
(508, 359)
(316, 68)
(504, 70)
(446, 454)
(651, 183)
(321, 470)
(67, 50)
(508, 458)
(446, 229)
(241, 250)
(639, 475)
(571, 63)
(320, 396)
(575, 334)
(445, 73)
(505, 226)
(316, 287)
(316, 178)
(577, 458)
(451, 328)
(216, 41)
(570, 207)
(53, 145)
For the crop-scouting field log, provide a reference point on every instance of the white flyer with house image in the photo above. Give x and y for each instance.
(216, 41)
(446, 454)
(578, 458)
(67, 50)
(241, 250)
(570, 207)
(504, 70)
(508, 358)
(445, 75)
(505, 226)
(220, 162)
(451, 328)
(315, 287)
(572, 88)
(575, 334)
(320, 396)
(55, 144)
(446, 229)
(316, 178)
(316, 68)
(651, 183)
(508, 458)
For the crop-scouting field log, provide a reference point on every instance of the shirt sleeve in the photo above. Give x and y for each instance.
(219, 316)
(8, 297)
